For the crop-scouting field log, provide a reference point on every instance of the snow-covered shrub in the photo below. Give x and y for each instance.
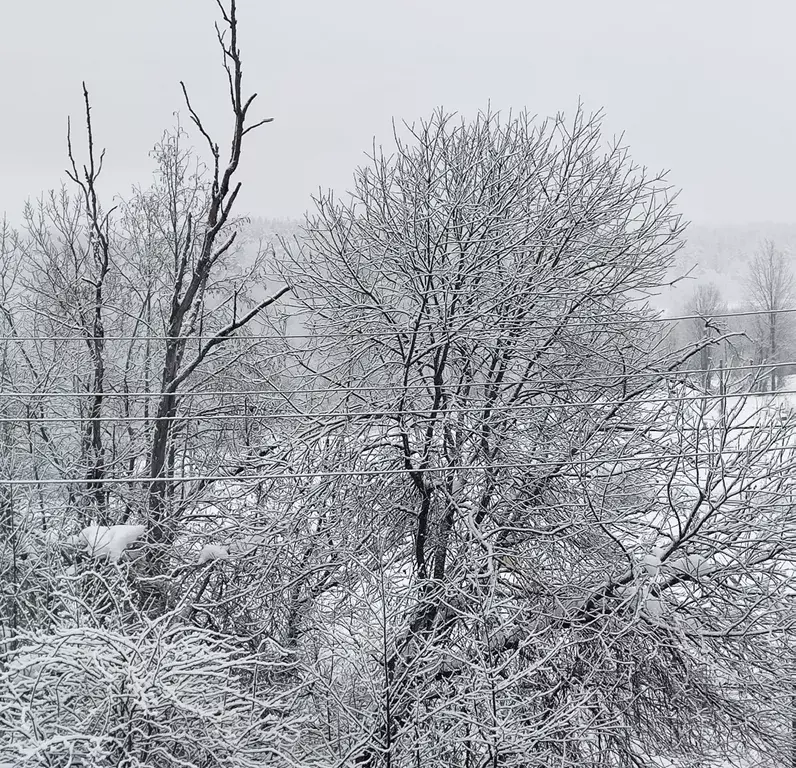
(163, 697)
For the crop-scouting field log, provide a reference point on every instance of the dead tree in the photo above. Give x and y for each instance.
(204, 244)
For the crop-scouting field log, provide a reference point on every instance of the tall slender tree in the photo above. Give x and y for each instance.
(772, 292)
(706, 302)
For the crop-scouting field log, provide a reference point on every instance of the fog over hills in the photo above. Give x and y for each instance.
(721, 255)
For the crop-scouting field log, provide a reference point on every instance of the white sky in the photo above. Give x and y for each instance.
(705, 88)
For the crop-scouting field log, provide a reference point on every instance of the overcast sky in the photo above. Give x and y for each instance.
(704, 88)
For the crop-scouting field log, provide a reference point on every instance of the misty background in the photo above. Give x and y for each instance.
(699, 89)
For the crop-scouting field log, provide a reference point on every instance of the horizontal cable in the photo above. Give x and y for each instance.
(610, 378)
(619, 512)
(431, 412)
(574, 462)
(492, 331)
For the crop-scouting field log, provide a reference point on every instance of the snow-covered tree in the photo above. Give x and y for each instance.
(772, 291)
(556, 556)
(705, 303)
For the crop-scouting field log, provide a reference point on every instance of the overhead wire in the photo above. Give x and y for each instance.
(575, 463)
(431, 412)
(573, 322)
(615, 378)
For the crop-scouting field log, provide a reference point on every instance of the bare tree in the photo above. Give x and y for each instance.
(476, 317)
(772, 290)
(195, 259)
(706, 302)
(153, 296)
(103, 316)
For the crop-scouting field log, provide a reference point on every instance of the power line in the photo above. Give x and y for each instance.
(565, 505)
(574, 462)
(611, 378)
(364, 335)
(388, 412)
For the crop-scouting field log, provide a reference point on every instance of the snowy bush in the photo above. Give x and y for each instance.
(162, 697)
